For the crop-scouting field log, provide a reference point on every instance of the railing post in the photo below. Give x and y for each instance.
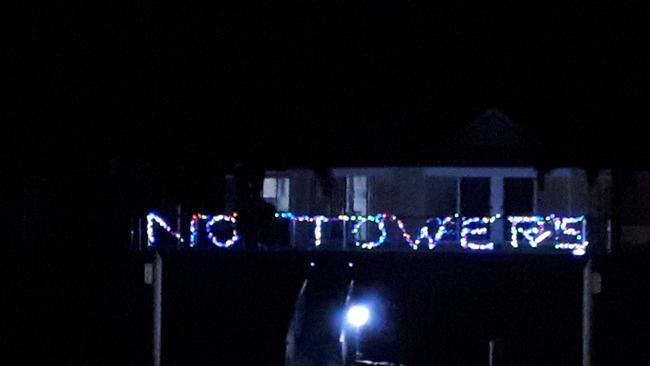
(132, 235)
(292, 240)
(344, 232)
(584, 230)
(178, 226)
(609, 236)
(140, 233)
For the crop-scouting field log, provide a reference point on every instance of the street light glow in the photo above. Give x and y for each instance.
(358, 315)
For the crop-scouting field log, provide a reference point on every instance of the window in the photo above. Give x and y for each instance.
(357, 195)
(475, 196)
(519, 196)
(276, 192)
(441, 196)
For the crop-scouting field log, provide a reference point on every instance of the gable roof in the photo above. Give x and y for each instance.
(493, 139)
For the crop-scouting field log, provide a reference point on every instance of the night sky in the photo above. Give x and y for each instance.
(114, 108)
(386, 82)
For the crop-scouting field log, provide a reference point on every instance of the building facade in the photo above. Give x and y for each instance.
(418, 195)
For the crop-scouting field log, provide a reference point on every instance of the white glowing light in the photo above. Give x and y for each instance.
(358, 315)
(541, 238)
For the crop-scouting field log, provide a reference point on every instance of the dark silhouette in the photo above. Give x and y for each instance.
(248, 186)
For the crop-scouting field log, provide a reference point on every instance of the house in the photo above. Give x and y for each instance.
(491, 172)
(484, 190)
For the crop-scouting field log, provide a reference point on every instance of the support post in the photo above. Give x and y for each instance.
(495, 353)
(586, 314)
(157, 308)
(342, 337)
(496, 207)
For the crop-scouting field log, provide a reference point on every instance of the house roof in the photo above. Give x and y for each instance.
(493, 139)
(492, 128)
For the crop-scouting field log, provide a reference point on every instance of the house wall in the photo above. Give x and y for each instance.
(301, 191)
(415, 194)
(635, 220)
(400, 191)
(410, 192)
(555, 196)
(567, 191)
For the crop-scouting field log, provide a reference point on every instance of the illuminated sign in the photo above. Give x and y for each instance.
(568, 233)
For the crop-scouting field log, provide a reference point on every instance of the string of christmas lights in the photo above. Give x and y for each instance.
(318, 233)
(535, 229)
(470, 235)
(424, 236)
(155, 219)
(471, 232)
(211, 221)
(213, 237)
(442, 232)
(577, 248)
(380, 220)
(377, 219)
(414, 244)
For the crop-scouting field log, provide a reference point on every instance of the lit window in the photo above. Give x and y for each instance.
(357, 187)
(276, 192)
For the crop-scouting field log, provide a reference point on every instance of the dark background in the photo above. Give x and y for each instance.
(117, 108)
(165, 83)
(440, 309)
